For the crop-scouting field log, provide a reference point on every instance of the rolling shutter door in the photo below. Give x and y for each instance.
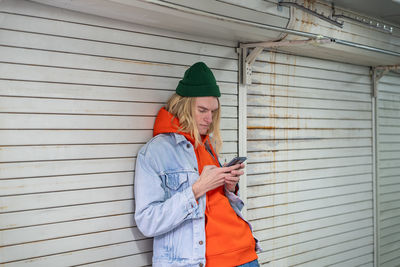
(309, 171)
(388, 170)
(79, 95)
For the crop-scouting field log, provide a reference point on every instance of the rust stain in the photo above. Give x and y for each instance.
(303, 21)
(277, 116)
(8, 227)
(274, 115)
(307, 19)
(309, 3)
(298, 121)
(390, 67)
(272, 111)
(274, 206)
(135, 61)
(261, 127)
(292, 128)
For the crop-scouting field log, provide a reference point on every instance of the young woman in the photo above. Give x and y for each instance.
(184, 198)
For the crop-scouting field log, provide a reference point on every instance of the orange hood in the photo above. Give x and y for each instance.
(167, 123)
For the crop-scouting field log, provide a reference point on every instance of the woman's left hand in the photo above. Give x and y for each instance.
(233, 178)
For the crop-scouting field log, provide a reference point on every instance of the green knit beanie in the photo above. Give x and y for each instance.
(198, 81)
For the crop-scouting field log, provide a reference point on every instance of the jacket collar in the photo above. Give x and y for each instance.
(179, 138)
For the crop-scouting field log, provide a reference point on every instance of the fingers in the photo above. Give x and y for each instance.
(230, 178)
(225, 169)
(233, 176)
(237, 172)
(231, 182)
(231, 168)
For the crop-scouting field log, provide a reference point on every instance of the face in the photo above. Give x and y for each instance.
(203, 112)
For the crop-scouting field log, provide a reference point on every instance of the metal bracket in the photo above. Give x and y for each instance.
(247, 63)
(247, 60)
(376, 76)
(312, 12)
(377, 73)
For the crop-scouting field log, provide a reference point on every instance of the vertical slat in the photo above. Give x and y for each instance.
(375, 141)
(242, 131)
(388, 175)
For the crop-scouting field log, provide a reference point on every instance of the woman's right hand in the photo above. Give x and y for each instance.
(211, 178)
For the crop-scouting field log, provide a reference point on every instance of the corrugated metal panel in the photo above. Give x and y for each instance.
(310, 161)
(78, 99)
(388, 170)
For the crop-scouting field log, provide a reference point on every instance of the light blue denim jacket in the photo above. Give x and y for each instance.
(166, 208)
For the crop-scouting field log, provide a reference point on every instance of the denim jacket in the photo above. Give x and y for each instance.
(166, 208)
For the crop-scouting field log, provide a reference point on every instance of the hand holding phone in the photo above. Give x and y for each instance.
(236, 160)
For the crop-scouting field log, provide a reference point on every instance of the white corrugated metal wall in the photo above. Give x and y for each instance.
(78, 96)
(309, 175)
(388, 170)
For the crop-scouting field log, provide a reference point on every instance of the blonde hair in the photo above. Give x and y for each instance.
(183, 108)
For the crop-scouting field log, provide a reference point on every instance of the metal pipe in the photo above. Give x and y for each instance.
(366, 47)
(375, 184)
(242, 131)
(272, 28)
(286, 43)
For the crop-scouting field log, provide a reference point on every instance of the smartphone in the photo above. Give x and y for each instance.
(236, 160)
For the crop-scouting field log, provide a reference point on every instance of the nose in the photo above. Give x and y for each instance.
(208, 117)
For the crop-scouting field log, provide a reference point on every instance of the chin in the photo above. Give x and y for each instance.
(205, 132)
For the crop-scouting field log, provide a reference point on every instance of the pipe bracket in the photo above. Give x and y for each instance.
(248, 59)
(377, 73)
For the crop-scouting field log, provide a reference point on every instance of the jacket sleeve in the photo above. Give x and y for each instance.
(154, 214)
(235, 201)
